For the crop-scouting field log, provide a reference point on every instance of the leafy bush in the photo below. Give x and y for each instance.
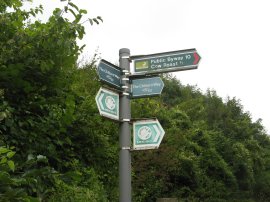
(78, 186)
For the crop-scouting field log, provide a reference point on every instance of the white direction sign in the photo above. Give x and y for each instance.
(108, 103)
(147, 134)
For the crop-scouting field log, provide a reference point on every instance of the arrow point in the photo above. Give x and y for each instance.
(196, 58)
(162, 85)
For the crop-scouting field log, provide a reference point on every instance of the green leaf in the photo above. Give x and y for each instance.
(73, 13)
(11, 165)
(82, 47)
(73, 5)
(57, 12)
(98, 17)
(11, 154)
(95, 20)
(91, 21)
(5, 178)
(83, 11)
(78, 18)
(3, 150)
(41, 157)
(65, 8)
(3, 160)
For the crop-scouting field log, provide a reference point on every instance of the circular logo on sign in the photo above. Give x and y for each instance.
(110, 102)
(144, 133)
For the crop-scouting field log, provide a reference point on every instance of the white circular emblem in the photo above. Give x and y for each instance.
(144, 133)
(110, 102)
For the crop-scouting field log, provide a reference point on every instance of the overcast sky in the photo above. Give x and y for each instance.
(231, 36)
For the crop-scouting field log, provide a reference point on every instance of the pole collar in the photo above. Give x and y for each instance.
(124, 93)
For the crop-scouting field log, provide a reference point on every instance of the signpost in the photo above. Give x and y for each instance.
(147, 134)
(109, 74)
(166, 62)
(146, 87)
(108, 103)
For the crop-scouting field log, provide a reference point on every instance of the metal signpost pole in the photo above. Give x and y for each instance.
(124, 131)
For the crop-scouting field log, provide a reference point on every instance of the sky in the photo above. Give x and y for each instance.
(232, 37)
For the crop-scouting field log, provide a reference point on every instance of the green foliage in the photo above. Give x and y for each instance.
(38, 106)
(11, 182)
(78, 185)
(6, 155)
(211, 150)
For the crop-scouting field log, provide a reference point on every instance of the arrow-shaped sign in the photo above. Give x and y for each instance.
(146, 87)
(108, 103)
(147, 134)
(166, 62)
(109, 73)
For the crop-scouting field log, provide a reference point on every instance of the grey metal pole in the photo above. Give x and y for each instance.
(124, 132)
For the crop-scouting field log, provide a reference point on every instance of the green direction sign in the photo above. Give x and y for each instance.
(166, 62)
(108, 103)
(147, 134)
(109, 73)
(146, 87)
